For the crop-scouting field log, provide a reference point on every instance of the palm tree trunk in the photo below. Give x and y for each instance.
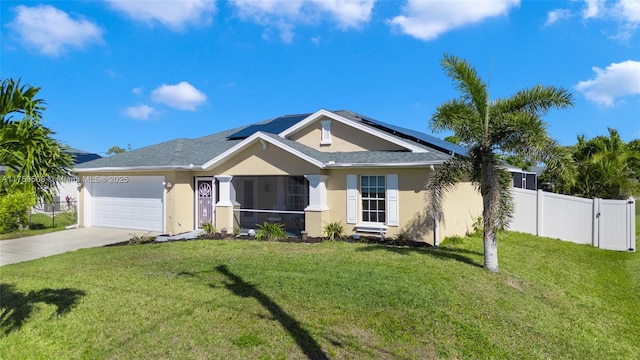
(490, 243)
(490, 203)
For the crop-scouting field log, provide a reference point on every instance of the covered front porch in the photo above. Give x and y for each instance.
(240, 203)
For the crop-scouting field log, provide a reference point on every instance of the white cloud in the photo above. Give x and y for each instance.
(593, 9)
(427, 20)
(52, 31)
(626, 13)
(182, 96)
(556, 15)
(140, 112)
(615, 81)
(282, 16)
(629, 10)
(348, 13)
(137, 91)
(172, 14)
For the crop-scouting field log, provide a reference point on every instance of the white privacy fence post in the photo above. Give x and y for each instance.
(539, 213)
(631, 220)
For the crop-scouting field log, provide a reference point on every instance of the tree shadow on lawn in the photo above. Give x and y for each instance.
(16, 307)
(437, 252)
(241, 288)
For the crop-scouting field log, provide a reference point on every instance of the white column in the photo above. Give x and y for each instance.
(226, 199)
(317, 192)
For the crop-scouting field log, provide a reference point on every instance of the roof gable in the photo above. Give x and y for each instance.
(264, 139)
(367, 129)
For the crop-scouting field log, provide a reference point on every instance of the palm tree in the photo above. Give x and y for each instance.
(606, 167)
(511, 126)
(16, 99)
(27, 147)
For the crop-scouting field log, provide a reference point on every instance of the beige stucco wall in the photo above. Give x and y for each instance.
(315, 221)
(460, 209)
(343, 138)
(410, 194)
(255, 161)
(461, 206)
(180, 203)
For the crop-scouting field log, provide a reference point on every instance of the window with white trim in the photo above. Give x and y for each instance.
(373, 198)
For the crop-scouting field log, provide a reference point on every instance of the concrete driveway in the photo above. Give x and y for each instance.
(37, 246)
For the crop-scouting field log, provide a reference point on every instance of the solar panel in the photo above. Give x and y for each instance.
(429, 140)
(274, 126)
(245, 133)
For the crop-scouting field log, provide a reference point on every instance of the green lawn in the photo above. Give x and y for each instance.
(247, 299)
(42, 224)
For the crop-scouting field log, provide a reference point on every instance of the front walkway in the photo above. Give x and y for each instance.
(37, 246)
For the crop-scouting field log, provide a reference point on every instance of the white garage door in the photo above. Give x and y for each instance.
(134, 204)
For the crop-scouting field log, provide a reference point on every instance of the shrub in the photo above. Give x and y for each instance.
(14, 210)
(137, 239)
(209, 229)
(271, 232)
(334, 231)
(478, 227)
(401, 238)
(453, 240)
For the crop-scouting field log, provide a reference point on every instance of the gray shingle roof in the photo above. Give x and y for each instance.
(79, 157)
(181, 153)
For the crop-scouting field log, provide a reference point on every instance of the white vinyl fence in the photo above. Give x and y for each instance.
(607, 224)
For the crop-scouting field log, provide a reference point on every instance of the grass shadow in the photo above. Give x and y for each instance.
(241, 288)
(16, 307)
(460, 255)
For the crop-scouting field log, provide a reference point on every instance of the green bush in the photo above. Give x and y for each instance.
(478, 227)
(137, 239)
(401, 238)
(333, 231)
(271, 232)
(209, 229)
(14, 210)
(453, 240)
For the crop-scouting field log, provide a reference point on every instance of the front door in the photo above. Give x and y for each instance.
(205, 200)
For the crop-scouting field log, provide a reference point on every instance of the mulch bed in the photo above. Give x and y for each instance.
(309, 240)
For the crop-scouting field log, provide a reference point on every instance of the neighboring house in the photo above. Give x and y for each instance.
(68, 191)
(524, 179)
(68, 186)
(302, 171)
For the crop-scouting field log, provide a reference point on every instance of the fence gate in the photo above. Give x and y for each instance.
(614, 226)
(607, 224)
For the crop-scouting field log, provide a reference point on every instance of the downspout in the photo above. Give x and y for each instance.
(436, 230)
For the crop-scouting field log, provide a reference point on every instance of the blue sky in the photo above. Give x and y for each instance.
(136, 73)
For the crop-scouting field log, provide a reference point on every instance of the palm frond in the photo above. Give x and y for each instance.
(466, 79)
(458, 117)
(17, 99)
(444, 179)
(537, 100)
